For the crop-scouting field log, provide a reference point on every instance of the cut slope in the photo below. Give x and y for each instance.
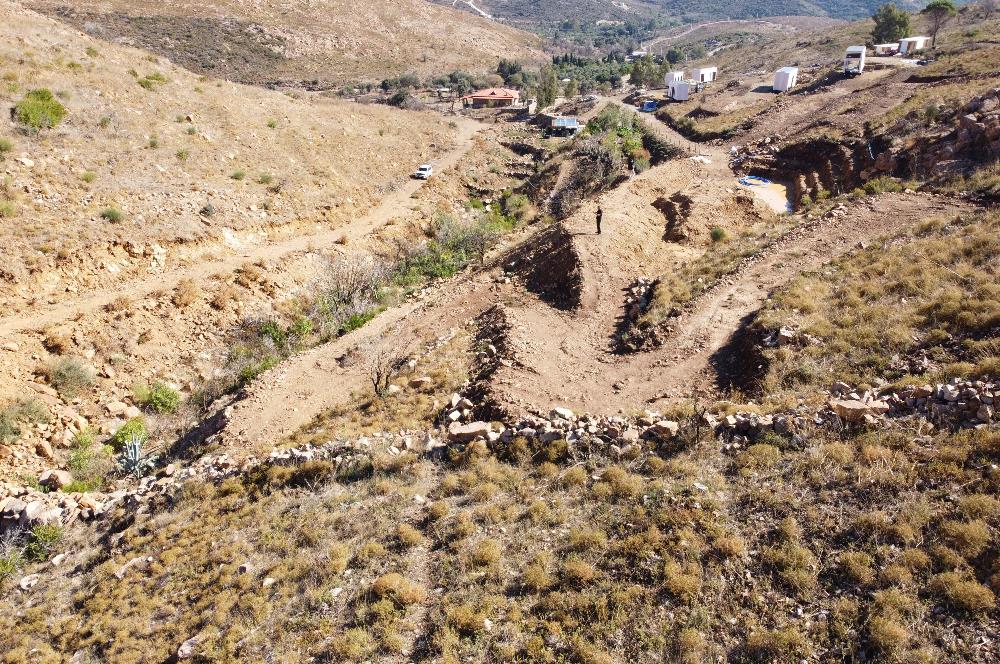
(318, 43)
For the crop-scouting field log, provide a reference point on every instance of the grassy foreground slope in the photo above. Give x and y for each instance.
(862, 543)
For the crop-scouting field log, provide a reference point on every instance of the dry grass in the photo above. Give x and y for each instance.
(933, 292)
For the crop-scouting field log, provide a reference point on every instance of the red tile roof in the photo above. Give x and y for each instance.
(495, 93)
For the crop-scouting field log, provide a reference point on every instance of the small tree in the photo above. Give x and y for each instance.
(938, 12)
(891, 24)
(385, 364)
(572, 89)
(548, 87)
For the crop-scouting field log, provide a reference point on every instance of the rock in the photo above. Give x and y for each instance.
(10, 347)
(58, 560)
(465, 433)
(563, 413)
(186, 649)
(849, 410)
(116, 408)
(268, 582)
(665, 429)
(840, 387)
(55, 479)
(44, 449)
(787, 336)
(245, 568)
(421, 382)
(28, 582)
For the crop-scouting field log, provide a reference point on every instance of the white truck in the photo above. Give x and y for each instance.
(424, 172)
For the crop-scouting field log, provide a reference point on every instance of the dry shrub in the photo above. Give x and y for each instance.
(224, 297)
(729, 546)
(485, 553)
(352, 645)
(437, 510)
(888, 637)
(575, 476)
(969, 539)
(758, 457)
(980, 506)
(779, 645)
(682, 580)
(57, 341)
(688, 647)
(622, 483)
(577, 572)
(408, 536)
(962, 593)
(794, 565)
(398, 588)
(121, 305)
(586, 539)
(536, 577)
(186, 293)
(856, 566)
(368, 552)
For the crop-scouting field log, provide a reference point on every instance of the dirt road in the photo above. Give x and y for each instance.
(393, 205)
(569, 358)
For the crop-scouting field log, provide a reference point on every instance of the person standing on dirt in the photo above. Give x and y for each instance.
(600, 218)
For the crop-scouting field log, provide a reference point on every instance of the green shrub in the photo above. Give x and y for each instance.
(5, 146)
(718, 234)
(91, 52)
(272, 124)
(39, 109)
(7, 210)
(41, 541)
(136, 427)
(182, 154)
(88, 176)
(112, 214)
(160, 398)
(238, 175)
(265, 178)
(70, 377)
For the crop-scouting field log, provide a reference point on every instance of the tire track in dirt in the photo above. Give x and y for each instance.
(355, 233)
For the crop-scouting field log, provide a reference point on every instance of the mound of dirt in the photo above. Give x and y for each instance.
(549, 266)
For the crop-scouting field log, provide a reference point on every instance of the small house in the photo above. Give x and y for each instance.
(886, 50)
(854, 60)
(672, 76)
(561, 126)
(679, 90)
(785, 79)
(492, 98)
(911, 45)
(705, 74)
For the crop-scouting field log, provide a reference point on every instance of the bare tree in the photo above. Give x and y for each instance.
(385, 364)
(989, 7)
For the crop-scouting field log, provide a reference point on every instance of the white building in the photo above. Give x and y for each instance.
(854, 60)
(679, 90)
(705, 74)
(672, 76)
(887, 49)
(785, 79)
(911, 45)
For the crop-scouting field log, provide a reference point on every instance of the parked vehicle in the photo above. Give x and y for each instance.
(424, 172)
(648, 107)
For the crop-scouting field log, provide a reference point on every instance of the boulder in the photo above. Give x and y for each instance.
(55, 479)
(43, 449)
(466, 433)
(563, 413)
(850, 410)
(665, 429)
(421, 382)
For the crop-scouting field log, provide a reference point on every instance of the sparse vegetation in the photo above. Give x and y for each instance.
(112, 214)
(70, 377)
(160, 398)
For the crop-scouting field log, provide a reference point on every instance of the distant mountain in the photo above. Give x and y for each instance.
(538, 14)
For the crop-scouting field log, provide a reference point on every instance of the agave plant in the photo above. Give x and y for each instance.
(133, 461)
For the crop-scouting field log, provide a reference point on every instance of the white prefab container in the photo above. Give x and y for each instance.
(679, 90)
(673, 76)
(911, 45)
(785, 79)
(705, 74)
(887, 49)
(854, 60)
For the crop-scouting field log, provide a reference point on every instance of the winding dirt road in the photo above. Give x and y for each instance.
(356, 233)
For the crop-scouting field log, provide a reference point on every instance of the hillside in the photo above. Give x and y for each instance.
(530, 14)
(308, 44)
(713, 384)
